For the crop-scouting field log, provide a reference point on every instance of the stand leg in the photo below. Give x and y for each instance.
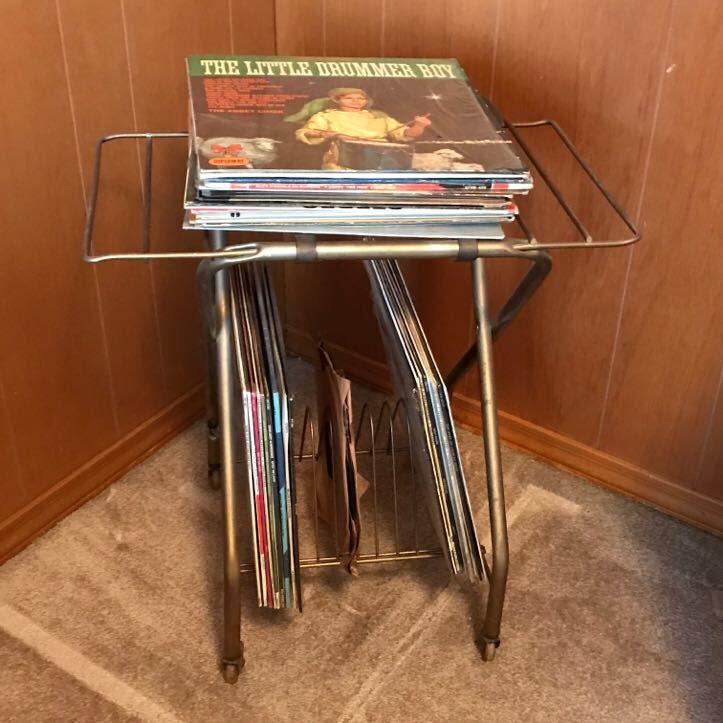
(532, 280)
(232, 648)
(212, 435)
(489, 638)
(212, 430)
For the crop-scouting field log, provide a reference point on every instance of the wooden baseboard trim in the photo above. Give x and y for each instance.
(71, 492)
(673, 499)
(616, 474)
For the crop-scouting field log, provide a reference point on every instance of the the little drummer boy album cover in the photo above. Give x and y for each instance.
(261, 116)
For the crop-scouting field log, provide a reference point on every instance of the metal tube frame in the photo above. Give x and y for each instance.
(213, 281)
(233, 658)
(213, 275)
(212, 411)
(529, 242)
(489, 638)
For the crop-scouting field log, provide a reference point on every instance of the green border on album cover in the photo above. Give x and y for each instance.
(317, 67)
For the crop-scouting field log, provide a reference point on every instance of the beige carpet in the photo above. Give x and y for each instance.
(613, 611)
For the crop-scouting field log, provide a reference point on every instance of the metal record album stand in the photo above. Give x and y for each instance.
(213, 273)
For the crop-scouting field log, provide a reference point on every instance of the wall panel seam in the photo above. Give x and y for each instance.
(151, 267)
(382, 27)
(230, 24)
(495, 42)
(131, 90)
(638, 211)
(323, 26)
(5, 410)
(275, 28)
(83, 191)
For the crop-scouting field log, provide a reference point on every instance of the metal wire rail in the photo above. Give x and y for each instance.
(261, 251)
(381, 450)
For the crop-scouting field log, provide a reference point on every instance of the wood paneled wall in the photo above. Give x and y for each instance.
(98, 365)
(615, 368)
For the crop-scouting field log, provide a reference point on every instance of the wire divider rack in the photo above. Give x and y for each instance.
(381, 448)
(220, 256)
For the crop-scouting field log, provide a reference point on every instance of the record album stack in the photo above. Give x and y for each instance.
(432, 436)
(403, 147)
(267, 424)
(384, 147)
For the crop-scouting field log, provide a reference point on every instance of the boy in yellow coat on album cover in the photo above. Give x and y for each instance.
(350, 118)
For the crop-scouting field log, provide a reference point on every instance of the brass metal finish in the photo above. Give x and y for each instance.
(213, 272)
(380, 431)
(493, 460)
(531, 281)
(232, 649)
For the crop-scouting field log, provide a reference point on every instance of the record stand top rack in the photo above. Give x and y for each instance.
(213, 274)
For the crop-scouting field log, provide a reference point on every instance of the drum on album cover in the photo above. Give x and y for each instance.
(374, 155)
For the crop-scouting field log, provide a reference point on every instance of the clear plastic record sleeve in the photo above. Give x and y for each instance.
(433, 437)
(455, 474)
(409, 386)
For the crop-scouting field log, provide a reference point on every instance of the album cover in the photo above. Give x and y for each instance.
(293, 117)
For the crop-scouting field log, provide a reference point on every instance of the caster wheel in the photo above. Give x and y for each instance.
(488, 652)
(230, 673)
(214, 479)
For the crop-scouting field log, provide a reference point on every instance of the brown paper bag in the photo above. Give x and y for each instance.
(339, 485)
